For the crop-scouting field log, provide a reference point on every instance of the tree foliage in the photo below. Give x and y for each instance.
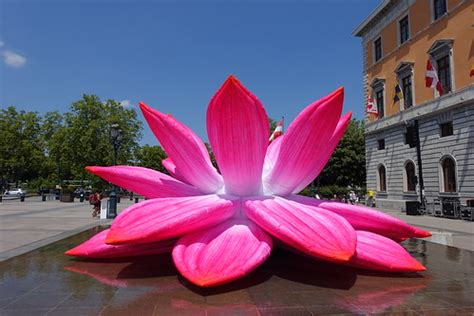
(59, 145)
(21, 155)
(347, 164)
(86, 138)
(150, 157)
(272, 124)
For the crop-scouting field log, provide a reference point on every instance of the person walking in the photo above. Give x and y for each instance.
(352, 197)
(94, 200)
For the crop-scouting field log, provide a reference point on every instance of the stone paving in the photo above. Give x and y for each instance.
(451, 232)
(25, 226)
(46, 282)
(36, 278)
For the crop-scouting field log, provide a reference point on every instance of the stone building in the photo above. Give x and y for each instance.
(398, 39)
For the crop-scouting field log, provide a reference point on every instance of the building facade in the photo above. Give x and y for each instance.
(398, 39)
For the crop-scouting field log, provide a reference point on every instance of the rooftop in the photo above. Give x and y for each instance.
(378, 12)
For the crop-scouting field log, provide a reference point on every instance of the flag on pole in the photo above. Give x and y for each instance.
(431, 78)
(398, 94)
(370, 108)
(278, 131)
(471, 74)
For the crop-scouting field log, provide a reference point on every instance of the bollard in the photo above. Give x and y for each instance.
(81, 198)
(118, 198)
(43, 197)
(131, 196)
(22, 198)
(1, 199)
(136, 200)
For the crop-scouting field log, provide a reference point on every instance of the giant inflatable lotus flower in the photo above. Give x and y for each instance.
(221, 225)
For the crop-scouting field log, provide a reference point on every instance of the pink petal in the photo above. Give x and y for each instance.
(222, 253)
(314, 231)
(375, 252)
(171, 168)
(271, 156)
(166, 218)
(97, 248)
(237, 127)
(147, 182)
(364, 218)
(324, 157)
(185, 149)
(305, 140)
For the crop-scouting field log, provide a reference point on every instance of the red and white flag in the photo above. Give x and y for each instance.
(277, 132)
(431, 78)
(370, 108)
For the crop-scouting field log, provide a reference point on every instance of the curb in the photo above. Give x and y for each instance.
(8, 254)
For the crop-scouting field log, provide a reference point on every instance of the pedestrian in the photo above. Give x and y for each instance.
(352, 197)
(94, 200)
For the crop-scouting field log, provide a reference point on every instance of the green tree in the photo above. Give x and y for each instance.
(21, 154)
(151, 157)
(347, 164)
(212, 156)
(273, 124)
(52, 131)
(85, 139)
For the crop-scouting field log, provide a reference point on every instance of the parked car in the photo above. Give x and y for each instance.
(15, 191)
(78, 192)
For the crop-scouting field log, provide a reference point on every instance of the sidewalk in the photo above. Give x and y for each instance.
(25, 226)
(450, 232)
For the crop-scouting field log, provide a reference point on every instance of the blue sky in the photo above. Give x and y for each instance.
(175, 55)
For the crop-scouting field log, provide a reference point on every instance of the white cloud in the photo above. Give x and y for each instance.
(13, 59)
(126, 103)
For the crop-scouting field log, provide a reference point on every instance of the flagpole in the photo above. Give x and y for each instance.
(283, 124)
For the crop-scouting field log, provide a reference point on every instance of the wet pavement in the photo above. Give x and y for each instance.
(45, 281)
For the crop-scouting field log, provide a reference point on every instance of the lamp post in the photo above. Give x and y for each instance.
(116, 138)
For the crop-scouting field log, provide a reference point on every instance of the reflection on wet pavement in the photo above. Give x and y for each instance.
(45, 281)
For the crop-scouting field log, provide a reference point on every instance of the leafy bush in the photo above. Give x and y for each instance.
(307, 192)
(47, 183)
(328, 191)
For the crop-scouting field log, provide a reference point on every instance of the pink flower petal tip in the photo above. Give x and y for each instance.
(96, 248)
(223, 253)
(375, 252)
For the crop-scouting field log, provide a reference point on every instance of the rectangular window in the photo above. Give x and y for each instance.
(410, 136)
(439, 7)
(381, 143)
(404, 30)
(379, 101)
(407, 92)
(446, 129)
(378, 49)
(382, 179)
(444, 73)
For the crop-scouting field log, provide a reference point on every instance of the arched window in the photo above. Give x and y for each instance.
(448, 166)
(410, 177)
(382, 179)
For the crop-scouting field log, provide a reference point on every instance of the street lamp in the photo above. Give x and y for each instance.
(116, 138)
